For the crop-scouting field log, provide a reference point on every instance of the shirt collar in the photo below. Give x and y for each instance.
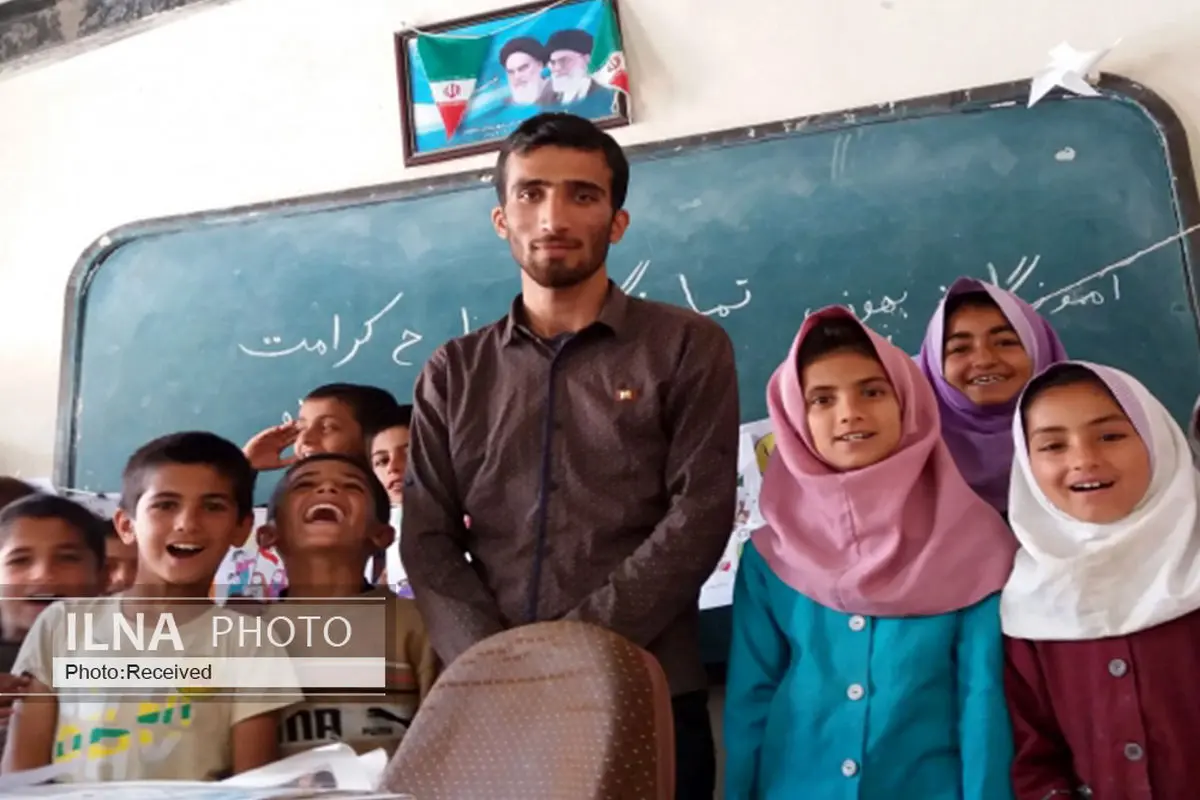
(612, 316)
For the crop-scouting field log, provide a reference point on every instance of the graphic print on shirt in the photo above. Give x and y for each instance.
(363, 726)
(91, 732)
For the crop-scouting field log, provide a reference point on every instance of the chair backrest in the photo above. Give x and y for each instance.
(550, 710)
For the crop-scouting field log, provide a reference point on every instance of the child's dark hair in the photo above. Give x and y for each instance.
(12, 490)
(833, 335)
(973, 299)
(51, 506)
(398, 417)
(190, 447)
(378, 493)
(1062, 375)
(369, 405)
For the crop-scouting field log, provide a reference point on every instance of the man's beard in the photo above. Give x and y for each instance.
(528, 94)
(557, 273)
(571, 87)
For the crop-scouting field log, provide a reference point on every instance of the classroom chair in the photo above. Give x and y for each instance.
(550, 710)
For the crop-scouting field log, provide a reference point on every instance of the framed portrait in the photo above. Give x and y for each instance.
(467, 84)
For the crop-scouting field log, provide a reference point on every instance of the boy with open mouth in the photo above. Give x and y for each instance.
(185, 499)
(328, 515)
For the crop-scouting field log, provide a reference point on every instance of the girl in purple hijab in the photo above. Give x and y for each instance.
(982, 346)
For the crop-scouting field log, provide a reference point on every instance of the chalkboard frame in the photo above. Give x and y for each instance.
(1187, 201)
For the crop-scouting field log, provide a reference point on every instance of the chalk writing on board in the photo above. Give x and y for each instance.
(720, 310)
(635, 277)
(368, 329)
(886, 306)
(1017, 277)
(1093, 298)
(1070, 288)
(407, 340)
(320, 347)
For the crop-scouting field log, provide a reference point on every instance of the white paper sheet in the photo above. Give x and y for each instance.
(1068, 68)
(754, 448)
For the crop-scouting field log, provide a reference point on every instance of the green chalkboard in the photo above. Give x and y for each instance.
(223, 321)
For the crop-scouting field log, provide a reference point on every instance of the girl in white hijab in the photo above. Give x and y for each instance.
(1101, 607)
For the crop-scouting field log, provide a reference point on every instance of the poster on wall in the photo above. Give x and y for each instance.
(467, 84)
(754, 450)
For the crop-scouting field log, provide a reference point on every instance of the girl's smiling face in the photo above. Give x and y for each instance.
(1085, 453)
(853, 411)
(983, 357)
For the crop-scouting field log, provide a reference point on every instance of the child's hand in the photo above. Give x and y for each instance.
(11, 687)
(265, 450)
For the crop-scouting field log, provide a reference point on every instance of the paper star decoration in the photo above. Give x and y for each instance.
(1069, 69)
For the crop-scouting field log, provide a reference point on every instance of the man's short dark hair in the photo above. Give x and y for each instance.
(190, 447)
(368, 404)
(523, 44)
(572, 39)
(558, 129)
(91, 529)
(379, 494)
(399, 417)
(12, 490)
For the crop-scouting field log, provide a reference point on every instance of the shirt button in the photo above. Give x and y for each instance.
(855, 692)
(1134, 752)
(1117, 668)
(857, 623)
(849, 768)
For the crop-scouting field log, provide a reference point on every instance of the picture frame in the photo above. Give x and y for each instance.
(530, 59)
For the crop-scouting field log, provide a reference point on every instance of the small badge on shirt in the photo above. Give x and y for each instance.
(625, 395)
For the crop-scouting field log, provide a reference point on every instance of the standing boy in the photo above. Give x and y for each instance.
(327, 516)
(185, 499)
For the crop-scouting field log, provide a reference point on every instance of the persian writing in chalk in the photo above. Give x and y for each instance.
(720, 309)
(274, 345)
(1072, 292)
(1095, 297)
(873, 307)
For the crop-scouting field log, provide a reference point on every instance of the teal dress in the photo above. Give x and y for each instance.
(823, 705)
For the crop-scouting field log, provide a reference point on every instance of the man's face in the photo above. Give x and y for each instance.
(568, 69)
(557, 214)
(525, 81)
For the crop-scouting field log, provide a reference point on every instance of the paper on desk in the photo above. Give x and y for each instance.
(331, 771)
(1068, 68)
(332, 766)
(192, 790)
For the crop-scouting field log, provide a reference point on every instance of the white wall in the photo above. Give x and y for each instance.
(264, 99)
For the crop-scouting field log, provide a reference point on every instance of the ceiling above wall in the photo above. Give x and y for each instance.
(32, 31)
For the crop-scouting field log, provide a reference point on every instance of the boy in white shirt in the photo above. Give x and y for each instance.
(185, 499)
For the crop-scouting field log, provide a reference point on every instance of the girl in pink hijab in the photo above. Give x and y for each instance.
(982, 346)
(866, 656)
